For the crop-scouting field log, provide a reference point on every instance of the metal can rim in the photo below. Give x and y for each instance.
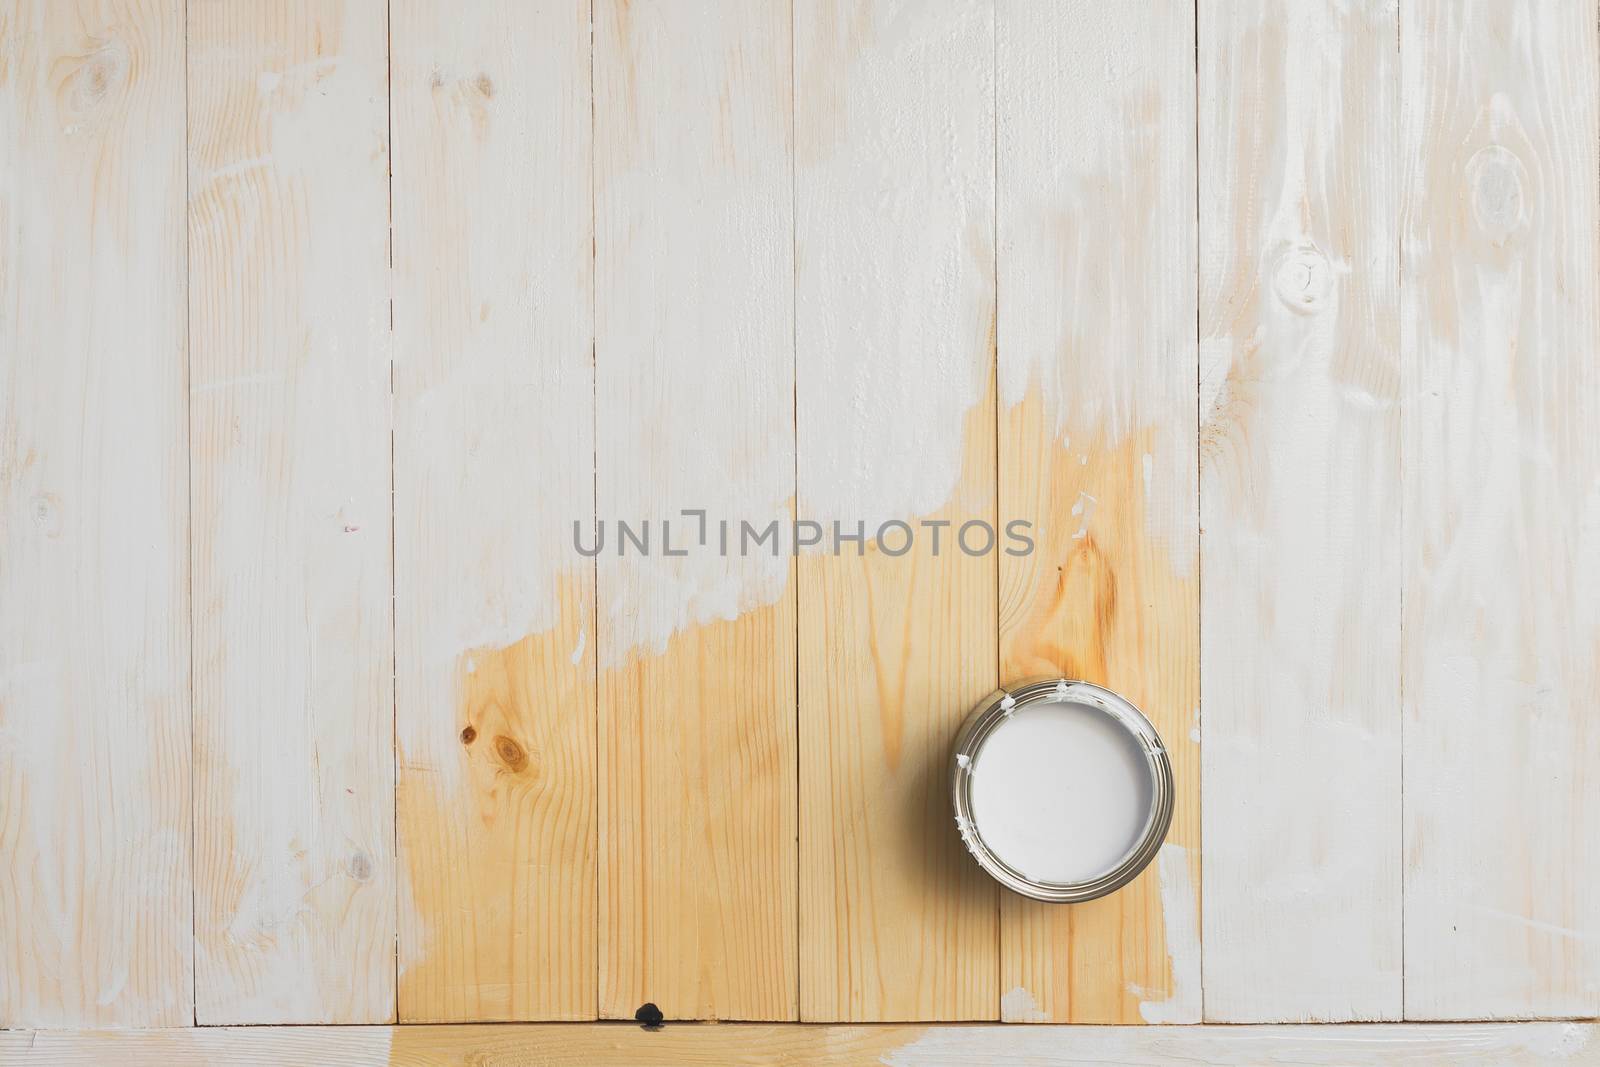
(1000, 705)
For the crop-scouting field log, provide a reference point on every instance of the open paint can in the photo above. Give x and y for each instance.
(1063, 790)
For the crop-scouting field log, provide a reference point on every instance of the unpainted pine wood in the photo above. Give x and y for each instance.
(1533, 1044)
(1501, 389)
(894, 128)
(1097, 372)
(1300, 483)
(289, 408)
(494, 448)
(94, 598)
(694, 393)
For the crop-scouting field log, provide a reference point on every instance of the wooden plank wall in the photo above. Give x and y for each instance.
(894, 360)
(95, 807)
(1300, 479)
(1097, 369)
(1277, 323)
(1500, 335)
(494, 458)
(694, 374)
(289, 406)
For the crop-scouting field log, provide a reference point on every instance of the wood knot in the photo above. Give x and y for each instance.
(360, 866)
(1303, 278)
(469, 734)
(46, 511)
(485, 86)
(1497, 182)
(510, 753)
(94, 80)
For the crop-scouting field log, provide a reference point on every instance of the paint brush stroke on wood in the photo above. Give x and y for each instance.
(293, 663)
(95, 924)
(1300, 477)
(1500, 330)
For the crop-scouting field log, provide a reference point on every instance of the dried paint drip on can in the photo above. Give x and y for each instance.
(1063, 790)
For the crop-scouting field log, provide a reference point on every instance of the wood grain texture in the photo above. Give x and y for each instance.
(94, 629)
(1300, 470)
(1097, 369)
(289, 329)
(1482, 1045)
(694, 385)
(494, 450)
(1501, 389)
(895, 411)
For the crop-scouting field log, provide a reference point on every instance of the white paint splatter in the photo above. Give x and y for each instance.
(1180, 917)
(894, 295)
(1018, 1006)
(1084, 510)
(583, 641)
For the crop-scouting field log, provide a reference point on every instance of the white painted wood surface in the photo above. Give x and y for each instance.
(494, 461)
(1482, 1045)
(1300, 472)
(94, 630)
(289, 401)
(1097, 367)
(1501, 340)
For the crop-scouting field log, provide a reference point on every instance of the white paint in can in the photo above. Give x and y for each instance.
(1061, 791)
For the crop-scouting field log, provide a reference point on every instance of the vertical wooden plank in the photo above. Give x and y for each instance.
(894, 128)
(493, 463)
(1300, 461)
(94, 648)
(694, 387)
(1502, 582)
(289, 328)
(1097, 369)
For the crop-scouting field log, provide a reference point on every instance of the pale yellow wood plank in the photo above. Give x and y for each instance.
(94, 607)
(495, 715)
(694, 375)
(1484, 1045)
(894, 125)
(1501, 391)
(289, 328)
(1300, 486)
(1097, 375)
